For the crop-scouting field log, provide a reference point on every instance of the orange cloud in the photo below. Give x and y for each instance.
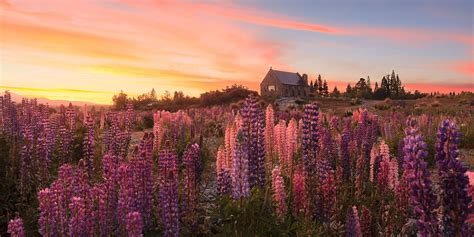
(130, 49)
(64, 41)
(137, 45)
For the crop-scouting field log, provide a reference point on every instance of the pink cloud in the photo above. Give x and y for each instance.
(462, 67)
(265, 18)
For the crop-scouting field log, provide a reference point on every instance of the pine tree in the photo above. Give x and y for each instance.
(325, 89)
(376, 86)
(316, 87)
(320, 85)
(368, 84)
(348, 90)
(393, 84)
(398, 86)
(335, 92)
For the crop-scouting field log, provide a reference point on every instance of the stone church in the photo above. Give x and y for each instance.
(284, 84)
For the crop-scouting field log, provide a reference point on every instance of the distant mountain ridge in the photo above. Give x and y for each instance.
(41, 100)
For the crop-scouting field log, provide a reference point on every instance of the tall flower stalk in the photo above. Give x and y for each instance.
(279, 196)
(240, 173)
(253, 131)
(453, 181)
(422, 199)
(168, 192)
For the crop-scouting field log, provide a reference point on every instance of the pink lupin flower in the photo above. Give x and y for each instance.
(279, 196)
(291, 145)
(374, 153)
(16, 228)
(300, 205)
(134, 224)
(269, 135)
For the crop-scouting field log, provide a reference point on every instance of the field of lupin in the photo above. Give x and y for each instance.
(246, 170)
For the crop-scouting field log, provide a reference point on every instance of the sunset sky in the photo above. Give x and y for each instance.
(88, 50)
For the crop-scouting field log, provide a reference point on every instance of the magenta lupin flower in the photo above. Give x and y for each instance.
(279, 196)
(352, 223)
(88, 145)
(300, 205)
(143, 182)
(48, 222)
(77, 221)
(126, 195)
(16, 228)
(168, 192)
(134, 224)
(190, 181)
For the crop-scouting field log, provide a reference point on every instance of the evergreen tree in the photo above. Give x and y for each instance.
(320, 85)
(325, 89)
(385, 86)
(393, 84)
(335, 92)
(368, 83)
(348, 90)
(376, 86)
(316, 87)
(398, 86)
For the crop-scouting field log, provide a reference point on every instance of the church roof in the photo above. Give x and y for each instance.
(287, 78)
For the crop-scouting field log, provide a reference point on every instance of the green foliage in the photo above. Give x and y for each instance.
(149, 101)
(249, 217)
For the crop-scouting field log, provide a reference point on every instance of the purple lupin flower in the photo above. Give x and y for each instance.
(47, 216)
(77, 221)
(88, 145)
(344, 150)
(310, 140)
(66, 138)
(191, 163)
(310, 144)
(453, 181)
(143, 182)
(45, 148)
(27, 160)
(16, 228)
(253, 134)
(107, 195)
(168, 192)
(134, 224)
(240, 173)
(224, 182)
(352, 223)
(417, 175)
(129, 117)
(126, 195)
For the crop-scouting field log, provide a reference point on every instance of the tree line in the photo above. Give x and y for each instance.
(178, 100)
(390, 87)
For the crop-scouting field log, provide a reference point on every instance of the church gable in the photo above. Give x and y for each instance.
(284, 84)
